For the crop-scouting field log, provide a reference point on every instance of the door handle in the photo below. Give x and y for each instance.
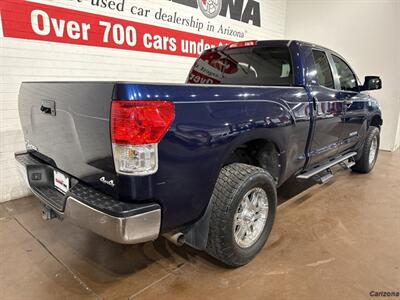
(45, 109)
(48, 107)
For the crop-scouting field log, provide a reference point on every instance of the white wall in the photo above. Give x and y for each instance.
(397, 143)
(367, 34)
(26, 60)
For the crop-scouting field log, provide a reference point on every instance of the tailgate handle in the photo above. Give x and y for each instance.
(48, 107)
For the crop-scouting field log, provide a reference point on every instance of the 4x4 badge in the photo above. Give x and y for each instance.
(108, 182)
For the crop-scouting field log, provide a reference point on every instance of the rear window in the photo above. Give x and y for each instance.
(244, 66)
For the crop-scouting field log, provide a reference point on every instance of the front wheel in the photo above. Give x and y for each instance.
(243, 212)
(369, 152)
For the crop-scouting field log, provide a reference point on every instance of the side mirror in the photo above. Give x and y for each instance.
(372, 83)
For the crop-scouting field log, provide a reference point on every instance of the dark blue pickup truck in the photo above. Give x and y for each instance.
(198, 163)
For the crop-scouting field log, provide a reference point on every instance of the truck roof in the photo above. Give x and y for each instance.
(274, 43)
(282, 43)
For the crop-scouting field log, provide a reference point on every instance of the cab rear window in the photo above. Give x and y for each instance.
(244, 66)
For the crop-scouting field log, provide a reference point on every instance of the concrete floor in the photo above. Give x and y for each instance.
(336, 241)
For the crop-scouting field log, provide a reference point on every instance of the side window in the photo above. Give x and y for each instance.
(273, 65)
(348, 81)
(323, 69)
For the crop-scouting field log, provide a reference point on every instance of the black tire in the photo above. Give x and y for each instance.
(233, 183)
(363, 164)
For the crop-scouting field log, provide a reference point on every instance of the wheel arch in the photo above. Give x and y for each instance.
(375, 120)
(255, 143)
(258, 152)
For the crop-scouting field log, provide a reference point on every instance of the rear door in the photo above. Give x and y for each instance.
(328, 111)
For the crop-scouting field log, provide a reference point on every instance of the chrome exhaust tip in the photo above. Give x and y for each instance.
(177, 238)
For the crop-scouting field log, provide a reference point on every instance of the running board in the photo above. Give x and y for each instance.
(313, 172)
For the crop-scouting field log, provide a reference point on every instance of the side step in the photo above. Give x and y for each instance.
(347, 164)
(329, 164)
(323, 179)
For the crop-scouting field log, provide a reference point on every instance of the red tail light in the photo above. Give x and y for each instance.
(140, 122)
(242, 44)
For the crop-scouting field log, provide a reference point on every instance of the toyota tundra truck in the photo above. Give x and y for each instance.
(198, 163)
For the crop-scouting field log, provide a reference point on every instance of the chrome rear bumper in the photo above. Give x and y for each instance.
(139, 225)
(128, 230)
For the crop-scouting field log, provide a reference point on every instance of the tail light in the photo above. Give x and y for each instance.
(136, 129)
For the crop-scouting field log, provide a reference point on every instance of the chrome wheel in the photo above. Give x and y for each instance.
(250, 218)
(372, 150)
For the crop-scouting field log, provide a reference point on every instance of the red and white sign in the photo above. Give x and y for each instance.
(213, 66)
(36, 21)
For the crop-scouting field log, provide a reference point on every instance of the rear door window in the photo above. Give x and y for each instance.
(323, 69)
(244, 66)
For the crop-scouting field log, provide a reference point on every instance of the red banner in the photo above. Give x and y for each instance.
(34, 21)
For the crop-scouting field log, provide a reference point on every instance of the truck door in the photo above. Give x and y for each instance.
(328, 111)
(355, 104)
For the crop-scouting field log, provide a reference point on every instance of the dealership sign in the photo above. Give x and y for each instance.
(240, 10)
(36, 21)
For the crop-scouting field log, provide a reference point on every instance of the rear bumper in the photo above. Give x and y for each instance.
(120, 222)
(139, 228)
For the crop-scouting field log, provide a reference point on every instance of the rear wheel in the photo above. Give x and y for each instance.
(243, 212)
(369, 152)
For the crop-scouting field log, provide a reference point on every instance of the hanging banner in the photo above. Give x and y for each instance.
(36, 21)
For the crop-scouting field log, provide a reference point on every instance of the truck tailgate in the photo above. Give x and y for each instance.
(67, 125)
